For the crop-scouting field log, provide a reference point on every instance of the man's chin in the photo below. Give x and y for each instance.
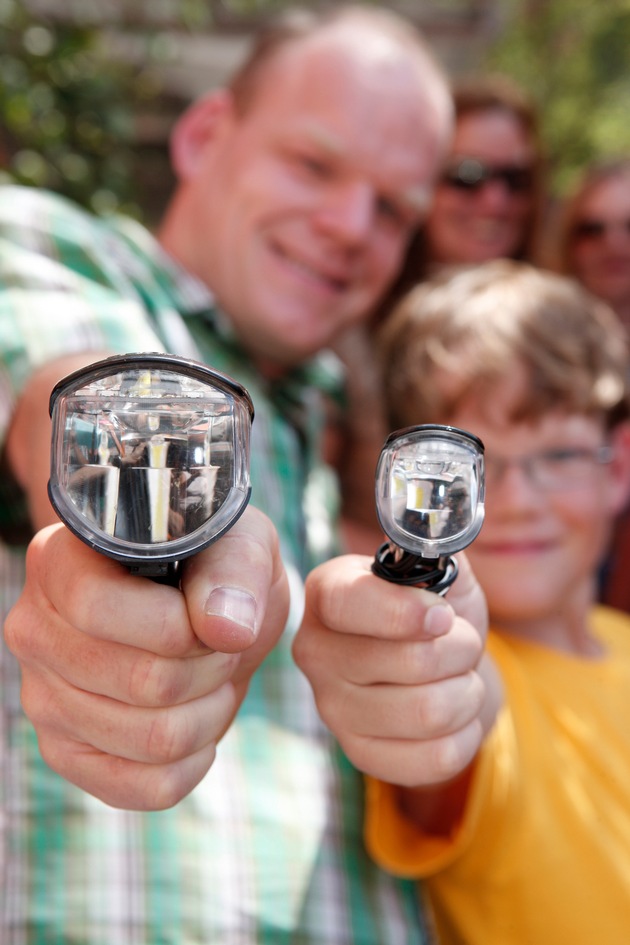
(282, 360)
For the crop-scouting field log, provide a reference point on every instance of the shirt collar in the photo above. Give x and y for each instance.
(193, 299)
(188, 293)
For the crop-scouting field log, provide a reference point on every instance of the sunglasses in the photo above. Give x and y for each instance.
(595, 229)
(471, 174)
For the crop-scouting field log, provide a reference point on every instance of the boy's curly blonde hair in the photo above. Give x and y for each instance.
(456, 335)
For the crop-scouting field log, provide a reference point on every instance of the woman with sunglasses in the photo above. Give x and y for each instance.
(487, 202)
(593, 241)
(490, 197)
(592, 244)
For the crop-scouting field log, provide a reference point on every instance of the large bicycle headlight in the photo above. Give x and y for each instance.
(150, 457)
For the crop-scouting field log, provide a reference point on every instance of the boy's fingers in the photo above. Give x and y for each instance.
(347, 597)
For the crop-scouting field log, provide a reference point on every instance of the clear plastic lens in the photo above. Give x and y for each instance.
(430, 489)
(149, 461)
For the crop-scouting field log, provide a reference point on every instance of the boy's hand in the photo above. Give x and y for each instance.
(130, 684)
(394, 670)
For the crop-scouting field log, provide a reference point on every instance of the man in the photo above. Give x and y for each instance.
(299, 188)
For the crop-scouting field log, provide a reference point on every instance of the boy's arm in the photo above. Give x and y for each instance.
(438, 809)
(399, 678)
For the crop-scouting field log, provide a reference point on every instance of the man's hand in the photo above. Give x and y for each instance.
(130, 684)
(395, 670)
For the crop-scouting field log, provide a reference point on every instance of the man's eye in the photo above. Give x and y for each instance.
(314, 165)
(390, 210)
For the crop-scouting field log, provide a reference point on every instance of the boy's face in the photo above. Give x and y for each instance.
(549, 508)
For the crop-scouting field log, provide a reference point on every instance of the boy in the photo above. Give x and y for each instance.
(529, 842)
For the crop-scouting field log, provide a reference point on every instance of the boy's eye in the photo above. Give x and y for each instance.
(552, 470)
(570, 465)
(565, 457)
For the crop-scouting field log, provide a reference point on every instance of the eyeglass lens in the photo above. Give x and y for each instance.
(556, 469)
(471, 174)
(596, 229)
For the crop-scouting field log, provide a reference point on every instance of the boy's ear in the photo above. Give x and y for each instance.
(199, 125)
(620, 467)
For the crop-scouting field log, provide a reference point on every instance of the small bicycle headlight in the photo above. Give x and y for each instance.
(150, 457)
(430, 502)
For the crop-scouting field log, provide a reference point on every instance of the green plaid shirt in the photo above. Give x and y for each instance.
(268, 848)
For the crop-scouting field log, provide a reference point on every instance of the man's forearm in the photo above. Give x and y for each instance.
(28, 440)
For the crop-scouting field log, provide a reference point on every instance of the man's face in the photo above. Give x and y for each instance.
(547, 520)
(476, 223)
(297, 214)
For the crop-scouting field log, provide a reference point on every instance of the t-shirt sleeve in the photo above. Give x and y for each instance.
(403, 848)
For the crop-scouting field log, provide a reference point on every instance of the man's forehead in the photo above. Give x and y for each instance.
(328, 141)
(359, 95)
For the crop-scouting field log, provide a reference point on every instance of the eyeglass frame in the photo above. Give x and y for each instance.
(595, 229)
(496, 466)
(470, 174)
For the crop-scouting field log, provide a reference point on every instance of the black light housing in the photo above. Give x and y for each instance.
(150, 458)
(430, 491)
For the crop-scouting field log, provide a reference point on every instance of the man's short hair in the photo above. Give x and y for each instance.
(296, 24)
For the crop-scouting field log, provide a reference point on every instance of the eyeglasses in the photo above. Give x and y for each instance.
(595, 229)
(471, 174)
(552, 470)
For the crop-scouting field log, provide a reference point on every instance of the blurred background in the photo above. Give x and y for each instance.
(90, 88)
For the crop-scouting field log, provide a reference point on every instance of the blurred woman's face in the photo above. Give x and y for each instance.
(483, 204)
(599, 242)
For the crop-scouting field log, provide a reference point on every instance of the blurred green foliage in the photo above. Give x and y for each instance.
(67, 110)
(71, 108)
(573, 56)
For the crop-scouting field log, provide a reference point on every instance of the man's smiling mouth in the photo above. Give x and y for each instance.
(314, 273)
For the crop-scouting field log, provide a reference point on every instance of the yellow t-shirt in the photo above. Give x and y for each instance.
(542, 854)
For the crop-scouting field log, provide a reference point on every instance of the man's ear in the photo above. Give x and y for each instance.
(620, 467)
(196, 128)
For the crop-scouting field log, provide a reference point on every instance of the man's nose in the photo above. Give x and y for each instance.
(348, 212)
